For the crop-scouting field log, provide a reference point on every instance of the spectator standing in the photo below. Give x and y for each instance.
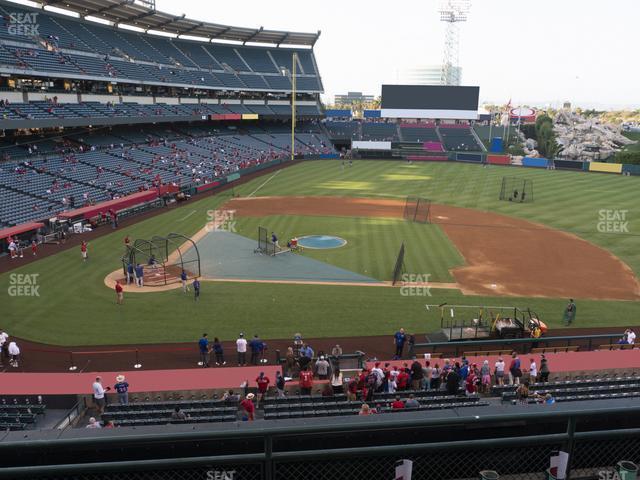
(544, 370)
(533, 371)
(336, 353)
(280, 385)
(306, 382)
(399, 339)
(263, 385)
(499, 372)
(241, 347)
(436, 373)
(336, 381)
(98, 394)
(416, 375)
(290, 362)
(485, 374)
(515, 370)
(471, 383)
(402, 380)
(248, 406)
(203, 346)
(426, 376)
(119, 293)
(218, 350)
(196, 289)
(322, 368)
(122, 389)
(452, 382)
(256, 347)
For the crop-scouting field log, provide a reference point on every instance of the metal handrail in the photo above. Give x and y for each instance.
(472, 344)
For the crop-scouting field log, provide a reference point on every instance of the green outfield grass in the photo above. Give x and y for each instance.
(372, 243)
(75, 308)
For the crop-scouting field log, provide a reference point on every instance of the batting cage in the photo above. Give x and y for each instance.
(417, 209)
(399, 268)
(514, 189)
(163, 259)
(265, 245)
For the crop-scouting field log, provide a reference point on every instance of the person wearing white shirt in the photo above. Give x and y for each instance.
(93, 423)
(4, 352)
(241, 347)
(631, 337)
(500, 371)
(14, 354)
(98, 394)
(533, 371)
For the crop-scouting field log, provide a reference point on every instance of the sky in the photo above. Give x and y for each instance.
(536, 53)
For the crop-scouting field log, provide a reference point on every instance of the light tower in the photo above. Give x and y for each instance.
(452, 12)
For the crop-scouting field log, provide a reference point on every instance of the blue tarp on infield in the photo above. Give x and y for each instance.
(228, 255)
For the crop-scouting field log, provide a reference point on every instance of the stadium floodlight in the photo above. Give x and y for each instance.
(452, 12)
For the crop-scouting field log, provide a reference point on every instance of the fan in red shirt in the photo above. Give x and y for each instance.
(34, 248)
(263, 384)
(83, 250)
(403, 379)
(397, 404)
(306, 382)
(248, 406)
(471, 383)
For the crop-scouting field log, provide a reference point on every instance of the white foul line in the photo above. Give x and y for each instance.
(185, 217)
(263, 184)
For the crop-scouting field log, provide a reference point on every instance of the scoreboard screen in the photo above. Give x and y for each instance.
(430, 101)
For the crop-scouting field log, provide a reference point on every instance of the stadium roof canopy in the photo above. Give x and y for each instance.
(142, 15)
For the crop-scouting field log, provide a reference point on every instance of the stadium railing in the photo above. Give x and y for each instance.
(521, 345)
(349, 447)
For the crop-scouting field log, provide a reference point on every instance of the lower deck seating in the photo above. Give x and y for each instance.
(20, 416)
(159, 413)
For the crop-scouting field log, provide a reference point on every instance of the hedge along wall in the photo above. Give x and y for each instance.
(469, 157)
(535, 162)
(568, 165)
(499, 159)
(605, 167)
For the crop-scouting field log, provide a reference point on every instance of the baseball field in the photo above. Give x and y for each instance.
(579, 238)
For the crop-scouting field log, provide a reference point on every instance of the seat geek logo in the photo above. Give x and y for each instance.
(613, 221)
(23, 23)
(221, 221)
(415, 285)
(24, 285)
(221, 475)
